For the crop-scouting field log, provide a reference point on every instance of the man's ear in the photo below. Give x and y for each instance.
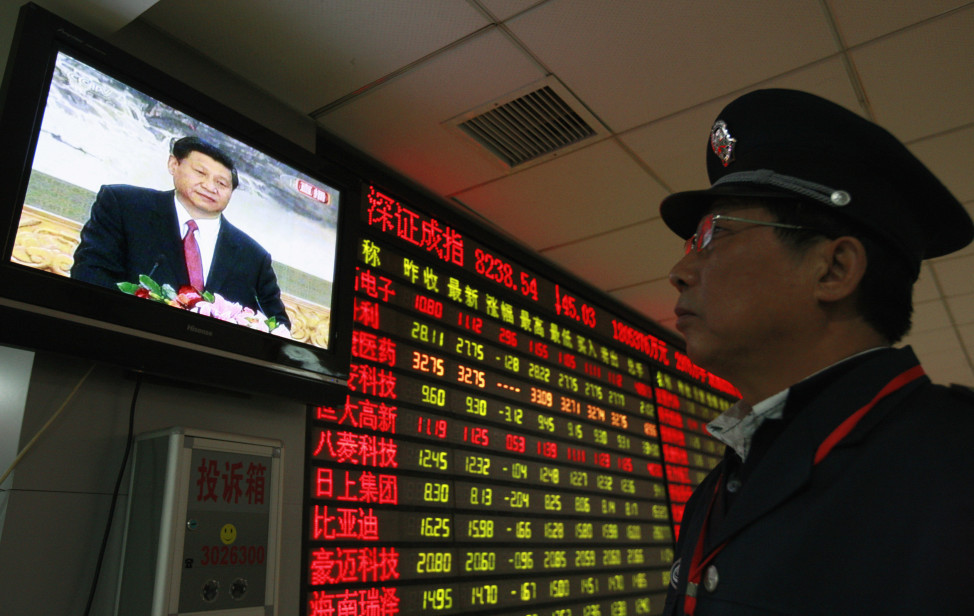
(844, 264)
(172, 164)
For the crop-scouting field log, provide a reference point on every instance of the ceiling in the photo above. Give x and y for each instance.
(388, 76)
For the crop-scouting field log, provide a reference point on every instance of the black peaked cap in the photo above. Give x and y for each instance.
(785, 143)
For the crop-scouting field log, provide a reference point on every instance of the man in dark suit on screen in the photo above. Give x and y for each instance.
(134, 231)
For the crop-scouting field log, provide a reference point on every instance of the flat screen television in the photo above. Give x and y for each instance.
(102, 160)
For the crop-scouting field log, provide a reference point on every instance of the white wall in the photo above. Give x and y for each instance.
(15, 370)
(58, 507)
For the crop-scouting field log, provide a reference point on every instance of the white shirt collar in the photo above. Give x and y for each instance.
(736, 426)
(208, 229)
(207, 226)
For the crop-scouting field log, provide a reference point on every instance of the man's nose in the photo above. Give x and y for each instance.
(682, 274)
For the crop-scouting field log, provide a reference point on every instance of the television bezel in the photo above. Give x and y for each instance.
(44, 311)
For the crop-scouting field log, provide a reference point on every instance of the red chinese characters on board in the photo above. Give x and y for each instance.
(337, 523)
(683, 364)
(364, 414)
(678, 474)
(376, 287)
(392, 217)
(372, 381)
(366, 313)
(644, 390)
(673, 436)
(230, 483)
(666, 398)
(668, 417)
(352, 448)
(365, 602)
(375, 348)
(350, 565)
(650, 345)
(675, 455)
(360, 487)
(680, 493)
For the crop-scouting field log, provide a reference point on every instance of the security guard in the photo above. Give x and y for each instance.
(844, 484)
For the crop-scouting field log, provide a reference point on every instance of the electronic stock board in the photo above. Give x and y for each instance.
(508, 446)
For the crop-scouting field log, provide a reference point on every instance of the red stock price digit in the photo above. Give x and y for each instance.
(515, 443)
(529, 286)
(566, 305)
(471, 376)
(495, 269)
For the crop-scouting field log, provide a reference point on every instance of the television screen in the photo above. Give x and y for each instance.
(138, 208)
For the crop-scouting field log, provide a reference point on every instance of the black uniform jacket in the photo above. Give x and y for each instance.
(134, 231)
(883, 524)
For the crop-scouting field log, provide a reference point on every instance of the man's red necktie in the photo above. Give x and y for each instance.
(194, 264)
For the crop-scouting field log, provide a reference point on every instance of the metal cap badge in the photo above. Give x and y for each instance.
(722, 143)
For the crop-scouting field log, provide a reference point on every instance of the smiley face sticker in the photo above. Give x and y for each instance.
(228, 534)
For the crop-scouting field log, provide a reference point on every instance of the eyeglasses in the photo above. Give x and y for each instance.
(705, 230)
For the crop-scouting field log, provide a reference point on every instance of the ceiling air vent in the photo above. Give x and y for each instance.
(530, 126)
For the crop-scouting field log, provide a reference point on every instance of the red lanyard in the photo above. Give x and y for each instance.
(699, 561)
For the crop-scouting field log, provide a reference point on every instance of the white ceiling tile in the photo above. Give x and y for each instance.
(589, 191)
(948, 366)
(962, 309)
(311, 53)
(951, 158)
(925, 289)
(621, 258)
(633, 62)
(505, 9)
(401, 122)
(967, 251)
(933, 341)
(676, 146)
(827, 78)
(100, 17)
(966, 333)
(859, 21)
(956, 276)
(942, 355)
(929, 316)
(655, 298)
(921, 81)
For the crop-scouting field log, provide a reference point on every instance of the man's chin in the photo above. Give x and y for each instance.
(208, 209)
(697, 352)
(711, 360)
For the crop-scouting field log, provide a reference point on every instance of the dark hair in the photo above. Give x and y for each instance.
(181, 148)
(885, 296)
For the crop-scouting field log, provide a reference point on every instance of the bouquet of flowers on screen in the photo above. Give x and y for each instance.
(204, 303)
